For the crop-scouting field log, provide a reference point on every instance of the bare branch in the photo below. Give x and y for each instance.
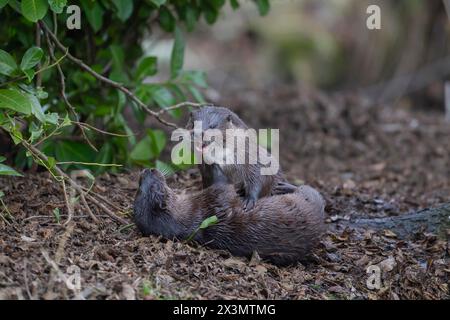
(103, 79)
(63, 91)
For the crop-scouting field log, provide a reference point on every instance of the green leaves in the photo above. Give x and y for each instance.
(3, 3)
(94, 13)
(15, 100)
(147, 67)
(7, 63)
(29, 114)
(149, 147)
(31, 58)
(57, 6)
(177, 57)
(34, 10)
(158, 3)
(234, 4)
(124, 8)
(263, 6)
(6, 170)
(166, 19)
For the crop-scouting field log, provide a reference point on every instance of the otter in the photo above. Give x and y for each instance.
(283, 229)
(249, 181)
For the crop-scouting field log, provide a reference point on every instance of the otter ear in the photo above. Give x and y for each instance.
(229, 118)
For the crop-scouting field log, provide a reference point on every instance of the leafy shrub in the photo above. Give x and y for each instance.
(70, 112)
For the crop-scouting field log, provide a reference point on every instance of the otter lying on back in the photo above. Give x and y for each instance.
(283, 229)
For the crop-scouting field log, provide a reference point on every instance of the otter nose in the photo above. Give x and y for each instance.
(148, 171)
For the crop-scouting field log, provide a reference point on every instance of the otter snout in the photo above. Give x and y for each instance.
(150, 176)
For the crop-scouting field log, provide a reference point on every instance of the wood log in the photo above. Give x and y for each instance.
(431, 220)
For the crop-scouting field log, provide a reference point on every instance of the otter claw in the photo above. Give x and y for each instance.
(284, 188)
(249, 204)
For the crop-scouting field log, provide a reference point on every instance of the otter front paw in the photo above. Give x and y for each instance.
(249, 203)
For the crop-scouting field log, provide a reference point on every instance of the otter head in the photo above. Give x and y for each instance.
(213, 118)
(152, 190)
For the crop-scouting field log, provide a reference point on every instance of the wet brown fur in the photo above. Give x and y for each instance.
(283, 229)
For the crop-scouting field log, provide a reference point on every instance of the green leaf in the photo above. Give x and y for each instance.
(3, 3)
(29, 74)
(73, 151)
(57, 6)
(177, 57)
(191, 17)
(142, 150)
(31, 58)
(263, 6)
(147, 67)
(210, 13)
(66, 122)
(51, 118)
(158, 3)
(7, 63)
(34, 10)
(234, 4)
(166, 19)
(51, 162)
(8, 171)
(57, 215)
(15, 100)
(194, 77)
(105, 155)
(36, 109)
(158, 139)
(149, 147)
(124, 8)
(196, 94)
(94, 13)
(163, 97)
(41, 94)
(36, 132)
(209, 222)
(118, 56)
(2, 158)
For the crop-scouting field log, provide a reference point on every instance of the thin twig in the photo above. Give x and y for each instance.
(77, 187)
(87, 125)
(38, 44)
(90, 163)
(89, 191)
(183, 104)
(63, 91)
(68, 205)
(25, 278)
(103, 79)
(36, 73)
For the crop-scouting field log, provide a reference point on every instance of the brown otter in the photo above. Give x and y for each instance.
(247, 177)
(283, 229)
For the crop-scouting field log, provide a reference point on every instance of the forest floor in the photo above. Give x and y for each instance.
(367, 161)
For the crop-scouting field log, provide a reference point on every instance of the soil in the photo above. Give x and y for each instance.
(367, 161)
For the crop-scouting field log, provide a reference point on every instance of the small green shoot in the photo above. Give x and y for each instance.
(57, 215)
(205, 224)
